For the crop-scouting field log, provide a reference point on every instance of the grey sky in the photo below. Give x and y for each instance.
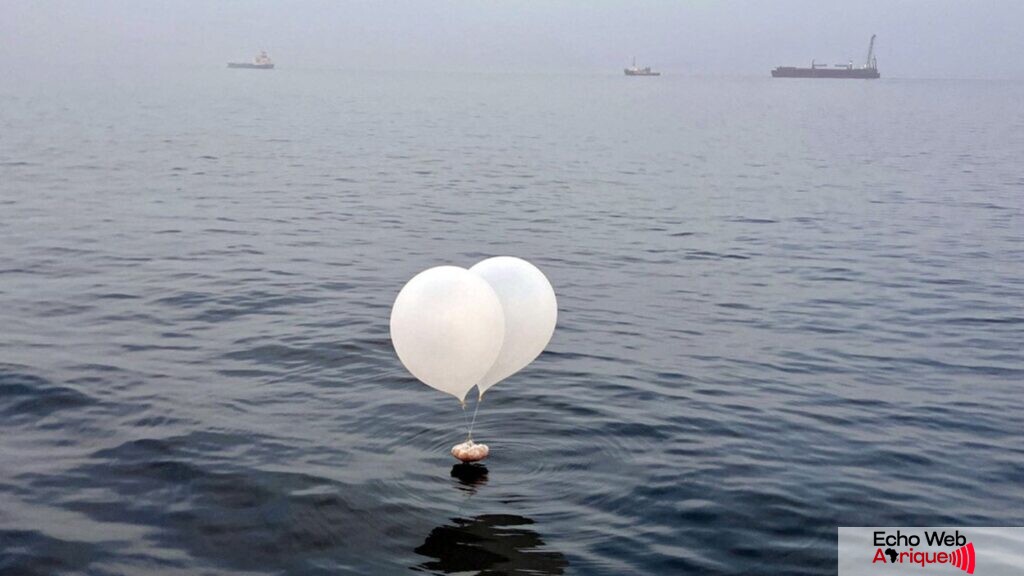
(917, 38)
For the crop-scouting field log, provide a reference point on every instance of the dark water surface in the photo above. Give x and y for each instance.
(784, 306)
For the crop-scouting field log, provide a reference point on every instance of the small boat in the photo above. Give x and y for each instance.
(260, 62)
(634, 71)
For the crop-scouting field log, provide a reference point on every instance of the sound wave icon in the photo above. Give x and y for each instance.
(963, 558)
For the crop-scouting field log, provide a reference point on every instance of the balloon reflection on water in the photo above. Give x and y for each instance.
(489, 544)
(470, 476)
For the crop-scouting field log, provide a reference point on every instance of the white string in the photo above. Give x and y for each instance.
(465, 419)
(479, 399)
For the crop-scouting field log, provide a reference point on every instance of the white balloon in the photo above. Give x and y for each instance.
(530, 308)
(447, 327)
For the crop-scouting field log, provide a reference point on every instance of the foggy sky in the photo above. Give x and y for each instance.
(917, 38)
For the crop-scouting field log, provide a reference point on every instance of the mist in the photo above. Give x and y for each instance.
(916, 38)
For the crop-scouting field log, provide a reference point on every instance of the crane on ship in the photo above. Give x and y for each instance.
(871, 62)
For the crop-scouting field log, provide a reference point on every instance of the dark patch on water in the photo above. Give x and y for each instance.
(489, 545)
(30, 553)
(27, 397)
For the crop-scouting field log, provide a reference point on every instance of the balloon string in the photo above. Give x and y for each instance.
(475, 410)
(465, 419)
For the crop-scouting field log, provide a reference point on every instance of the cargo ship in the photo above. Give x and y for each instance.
(866, 72)
(260, 62)
(634, 71)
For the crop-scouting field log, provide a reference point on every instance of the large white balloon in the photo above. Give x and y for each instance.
(447, 327)
(530, 308)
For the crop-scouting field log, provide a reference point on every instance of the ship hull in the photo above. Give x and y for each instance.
(640, 73)
(250, 66)
(854, 73)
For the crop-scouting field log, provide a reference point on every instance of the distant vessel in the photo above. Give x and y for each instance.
(868, 71)
(260, 62)
(634, 71)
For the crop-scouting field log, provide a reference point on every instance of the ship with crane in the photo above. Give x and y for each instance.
(866, 72)
(635, 70)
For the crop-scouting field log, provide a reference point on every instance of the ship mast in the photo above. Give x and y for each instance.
(871, 54)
